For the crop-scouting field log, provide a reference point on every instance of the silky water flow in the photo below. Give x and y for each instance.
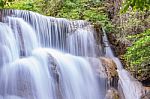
(128, 86)
(44, 58)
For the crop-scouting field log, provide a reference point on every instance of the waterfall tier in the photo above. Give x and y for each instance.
(43, 57)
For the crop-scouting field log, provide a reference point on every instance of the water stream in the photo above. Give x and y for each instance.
(130, 87)
(42, 58)
(45, 58)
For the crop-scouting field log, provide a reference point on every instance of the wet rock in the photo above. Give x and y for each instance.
(112, 93)
(97, 67)
(104, 67)
(147, 93)
(147, 89)
(110, 67)
(146, 96)
(53, 68)
(98, 38)
(98, 33)
(55, 72)
(0, 15)
(111, 71)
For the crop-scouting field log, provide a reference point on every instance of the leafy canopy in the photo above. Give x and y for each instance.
(139, 53)
(136, 5)
(90, 10)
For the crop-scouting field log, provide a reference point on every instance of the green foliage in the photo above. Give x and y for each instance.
(138, 55)
(85, 10)
(20, 4)
(46, 7)
(136, 5)
(24, 5)
(50, 7)
(1, 4)
(4, 3)
(90, 10)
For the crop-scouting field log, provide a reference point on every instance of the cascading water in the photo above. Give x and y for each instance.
(131, 88)
(24, 34)
(32, 68)
(82, 43)
(8, 46)
(48, 58)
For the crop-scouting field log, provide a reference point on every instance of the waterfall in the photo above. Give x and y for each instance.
(44, 57)
(130, 87)
(82, 43)
(24, 34)
(8, 45)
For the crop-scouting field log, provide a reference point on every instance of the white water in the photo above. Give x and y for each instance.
(30, 67)
(82, 42)
(8, 46)
(131, 88)
(43, 58)
(24, 34)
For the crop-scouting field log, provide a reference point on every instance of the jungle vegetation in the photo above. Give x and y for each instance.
(128, 20)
